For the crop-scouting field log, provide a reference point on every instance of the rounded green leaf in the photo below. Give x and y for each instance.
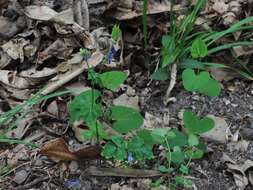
(199, 48)
(202, 83)
(195, 125)
(85, 107)
(109, 150)
(193, 140)
(125, 119)
(112, 79)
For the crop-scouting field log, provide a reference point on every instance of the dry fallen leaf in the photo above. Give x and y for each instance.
(58, 150)
(240, 173)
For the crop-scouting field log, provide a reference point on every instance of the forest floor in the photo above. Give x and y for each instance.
(40, 43)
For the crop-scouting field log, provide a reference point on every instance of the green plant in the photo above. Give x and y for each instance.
(131, 143)
(187, 49)
(89, 108)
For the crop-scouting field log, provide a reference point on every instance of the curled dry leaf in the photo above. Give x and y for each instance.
(45, 13)
(58, 150)
(61, 48)
(126, 11)
(240, 173)
(5, 59)
(22, 126)
(15, 48)
(38, 75)
(9, 78)
(130, 101)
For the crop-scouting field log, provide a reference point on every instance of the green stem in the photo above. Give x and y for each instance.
(168, 148)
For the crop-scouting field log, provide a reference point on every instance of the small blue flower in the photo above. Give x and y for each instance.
(111, 54)
(73, 183)
(130, 157)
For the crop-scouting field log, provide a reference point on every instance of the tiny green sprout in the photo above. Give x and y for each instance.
(85, 53)
(115, 32)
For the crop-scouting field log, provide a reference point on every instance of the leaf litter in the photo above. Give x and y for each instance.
(39, 49)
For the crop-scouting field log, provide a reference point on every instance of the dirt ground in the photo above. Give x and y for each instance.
(36, 51)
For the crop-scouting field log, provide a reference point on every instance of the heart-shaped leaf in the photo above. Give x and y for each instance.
(85, 107)
(112, 79)
(125, 119)
(202, 83)
(195, 125)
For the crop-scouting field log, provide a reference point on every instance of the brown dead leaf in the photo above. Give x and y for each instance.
(5, 59)
(10, 79)
(43, 13)
(240, 173)
(58, 150)
(61, 48)
(220, 7)
(15, 48)
(126, 11)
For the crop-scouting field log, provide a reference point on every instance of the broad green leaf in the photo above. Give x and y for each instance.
(159, 134)
(199, 48)
(193, 140)
(109, 150)
(180, 139)
(118, 141)
(120, 154)
(177, 156)
(161, 74)
(194, 154)
(212, 88)
(145, 135)
(112, 79)
(195, 125)
(85, 107)
(140, 150)
(202, 83)
(125, 119)
(96, 128)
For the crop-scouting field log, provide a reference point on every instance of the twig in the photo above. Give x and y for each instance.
(173, 78)
(122, 172)
(93, 61)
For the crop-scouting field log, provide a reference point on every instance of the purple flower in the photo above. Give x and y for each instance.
(111, 54)
(130, 157)
(73, 183)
